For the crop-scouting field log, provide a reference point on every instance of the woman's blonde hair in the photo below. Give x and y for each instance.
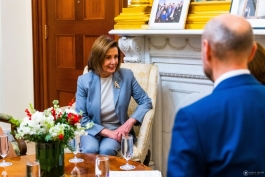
(257, 65)
(98, 52)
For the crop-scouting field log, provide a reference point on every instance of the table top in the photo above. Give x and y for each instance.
(87, 168)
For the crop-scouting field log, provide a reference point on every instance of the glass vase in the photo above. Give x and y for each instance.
(51, 159)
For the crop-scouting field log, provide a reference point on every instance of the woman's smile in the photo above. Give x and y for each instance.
(110, 62)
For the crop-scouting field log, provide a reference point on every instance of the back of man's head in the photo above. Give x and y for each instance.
(228, 34)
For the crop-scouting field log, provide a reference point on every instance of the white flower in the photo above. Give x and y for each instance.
(50, 125)
(80, 130)
(89, 125)
(38, 117)
(70, 111)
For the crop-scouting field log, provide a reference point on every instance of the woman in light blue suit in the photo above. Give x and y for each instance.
(103, 96)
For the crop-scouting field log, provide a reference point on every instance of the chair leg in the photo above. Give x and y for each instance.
(147, 158)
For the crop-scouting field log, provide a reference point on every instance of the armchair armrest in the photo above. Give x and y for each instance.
(20, 142)
(144, 135)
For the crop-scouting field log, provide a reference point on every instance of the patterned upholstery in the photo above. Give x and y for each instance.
(146, 75)
(15, 147)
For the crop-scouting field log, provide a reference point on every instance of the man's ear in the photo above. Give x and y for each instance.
(207, 52)
(253, 51)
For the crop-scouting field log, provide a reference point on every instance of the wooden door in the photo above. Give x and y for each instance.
(66, 29)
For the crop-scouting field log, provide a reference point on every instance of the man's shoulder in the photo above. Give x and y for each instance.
(237, 82)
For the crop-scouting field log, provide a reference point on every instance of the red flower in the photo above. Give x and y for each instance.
(28, 114)
(71, 103)
(53, 113)
(73, 118)
(59, 115)
(61, 137)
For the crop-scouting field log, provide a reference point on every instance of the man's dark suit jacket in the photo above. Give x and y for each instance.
(221, 135)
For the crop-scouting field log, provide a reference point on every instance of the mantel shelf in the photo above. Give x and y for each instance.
(166, 32)
(154, 32)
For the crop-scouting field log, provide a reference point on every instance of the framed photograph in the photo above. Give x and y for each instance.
(208, 0)
(169, 14)
(252, 10)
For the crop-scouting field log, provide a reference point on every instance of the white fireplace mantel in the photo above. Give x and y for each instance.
(167, 32)
(181, 78)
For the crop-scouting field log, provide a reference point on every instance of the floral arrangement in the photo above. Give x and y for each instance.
(52, 125)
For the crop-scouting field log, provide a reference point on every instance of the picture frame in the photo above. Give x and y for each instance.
(168, 14)
(251, 10)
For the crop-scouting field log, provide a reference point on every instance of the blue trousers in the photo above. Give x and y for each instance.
(99, 145)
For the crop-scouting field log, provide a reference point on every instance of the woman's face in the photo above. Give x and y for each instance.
(110, 62)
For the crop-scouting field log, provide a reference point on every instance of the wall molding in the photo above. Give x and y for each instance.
(167, 42)
(187, 76)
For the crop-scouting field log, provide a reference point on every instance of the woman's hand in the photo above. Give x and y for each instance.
(126, 127)
(122, 130)
(113, 134)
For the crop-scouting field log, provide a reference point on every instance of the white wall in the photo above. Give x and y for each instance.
(16, 57)
(1, 62)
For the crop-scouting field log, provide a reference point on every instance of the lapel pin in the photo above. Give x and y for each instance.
(116, 85)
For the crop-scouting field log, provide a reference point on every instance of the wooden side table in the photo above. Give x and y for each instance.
(87, 168)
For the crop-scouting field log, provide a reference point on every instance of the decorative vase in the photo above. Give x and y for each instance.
(51, 159)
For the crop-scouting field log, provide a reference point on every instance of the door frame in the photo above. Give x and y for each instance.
(39, 53)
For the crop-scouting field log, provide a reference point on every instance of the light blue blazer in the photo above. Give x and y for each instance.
(88, 98)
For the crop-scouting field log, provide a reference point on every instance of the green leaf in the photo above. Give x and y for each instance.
(31, 107)
(14, 121)
(48, 137)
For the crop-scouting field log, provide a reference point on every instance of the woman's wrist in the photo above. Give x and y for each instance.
(131, 121)
(104, 132)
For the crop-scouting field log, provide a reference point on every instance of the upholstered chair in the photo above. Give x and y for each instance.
(19, 145)
(146, 75)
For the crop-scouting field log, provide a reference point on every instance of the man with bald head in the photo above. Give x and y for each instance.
(222, 135)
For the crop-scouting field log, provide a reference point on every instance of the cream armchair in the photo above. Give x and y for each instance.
(146, 75)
